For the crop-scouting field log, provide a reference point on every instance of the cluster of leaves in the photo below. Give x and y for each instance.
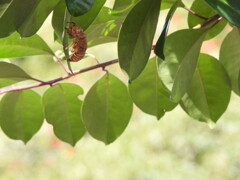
(178, 74)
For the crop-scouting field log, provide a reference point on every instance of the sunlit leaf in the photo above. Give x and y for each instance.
(136, 37)
(107, 109)
(181, 50)
(21, 114)
(63, 111)
(13, 46)
(230, 57)
(149, 93)
(210, 89)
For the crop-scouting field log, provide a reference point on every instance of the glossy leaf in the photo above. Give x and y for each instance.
(13, 46)
(30, 15)
(161, 41)
(210, 88)
(229, 9)
(207, 12)
(83, 21)
(12, 72)
(21, 114)
(230, 57)
(149, 93)
(136, 37)
(63, 111)
(181, 50)
(79, 7)
(107, 109)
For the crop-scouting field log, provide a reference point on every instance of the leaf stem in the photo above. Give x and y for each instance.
(65, 39)
(194, 13)
(55, 81)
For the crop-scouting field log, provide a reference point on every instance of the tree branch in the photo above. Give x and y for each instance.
(55, 81)
(194, 13)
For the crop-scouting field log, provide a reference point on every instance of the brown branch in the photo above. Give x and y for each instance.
(55, 81)
(194, 13)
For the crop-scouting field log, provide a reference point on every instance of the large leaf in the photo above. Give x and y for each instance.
(107, 109)
(161, 40)
(7, 10)
(21, 114)
(30, 15)
(79, 7)
(166, 4)
(122, 7)
(83, 21)
(181, 50)
(230, 57)
(12, 72)
(208, 12)
(6, 82)
(136, 37)
(13, 46)
(229, 9)
(62, 110)
(149, 93)
(210, 88)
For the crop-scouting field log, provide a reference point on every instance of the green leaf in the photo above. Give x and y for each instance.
(21, 114)
(181, 50)
(161, 41)
(136, 37)
(210, 88)
(229, 9)
(104, 29)
(7, 18)
(62, 110)
(30, 15)
(6, 82)
(107, 109)
(166, 4)
(122, 7)
(207, 12)
(149, 93)
(13, 46)
(230, 57)
(79, 7)
(83, 21)
(12, 72)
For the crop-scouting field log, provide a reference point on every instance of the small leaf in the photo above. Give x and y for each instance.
(208, 12)
(83, 21)
(166, 4)
(79, 7)
(122, 7)
(181, 50)
(149, 93)
(13, 46)
(229, 57)
(210, 88)
(107, 109)
(229, 9)
(136, 37)
(21, 114)
(62, 110)
(161, 41)
(13, 72)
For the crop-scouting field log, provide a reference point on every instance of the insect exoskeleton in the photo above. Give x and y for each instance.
(79, 44)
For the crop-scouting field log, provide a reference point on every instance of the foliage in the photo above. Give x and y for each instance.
(178, 73)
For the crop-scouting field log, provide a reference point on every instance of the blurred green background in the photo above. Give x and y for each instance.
(174, 148)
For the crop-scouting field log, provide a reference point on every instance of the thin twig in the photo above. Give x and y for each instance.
(210, 20)
(194, 13)
(61, 64)
(54, 81)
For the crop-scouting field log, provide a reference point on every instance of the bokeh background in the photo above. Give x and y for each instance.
(174, 148)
